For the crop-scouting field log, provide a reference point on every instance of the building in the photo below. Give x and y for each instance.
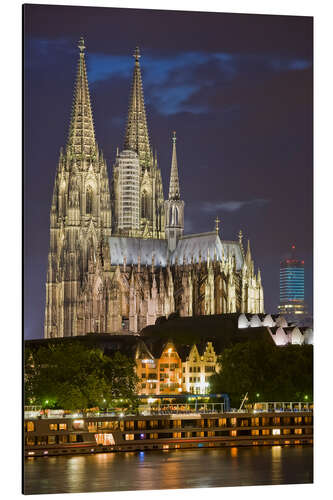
(199, 365)
(292, 286)
(118, 258)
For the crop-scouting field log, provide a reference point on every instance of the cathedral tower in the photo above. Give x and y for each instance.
(80, 224)
(151, 199)
(174, 206)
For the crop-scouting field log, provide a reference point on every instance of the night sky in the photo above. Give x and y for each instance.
(236, 88)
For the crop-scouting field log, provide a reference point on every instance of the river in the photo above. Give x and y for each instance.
(151, 470)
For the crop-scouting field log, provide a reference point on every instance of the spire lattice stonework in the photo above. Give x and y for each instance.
(81, 138)
(174, 191)
(136, 135)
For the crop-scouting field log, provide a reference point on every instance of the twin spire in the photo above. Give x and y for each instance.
(81, 139)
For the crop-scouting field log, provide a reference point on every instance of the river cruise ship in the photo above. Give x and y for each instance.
(265, 424)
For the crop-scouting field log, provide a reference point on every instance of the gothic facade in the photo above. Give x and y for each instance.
(118, 258)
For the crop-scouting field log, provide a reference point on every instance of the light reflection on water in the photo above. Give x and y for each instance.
(170, 469)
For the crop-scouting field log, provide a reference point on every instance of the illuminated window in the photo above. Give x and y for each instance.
(177, 423)
(105, 439)
(30, 441)
(276, 432)
(298, 431)
(255, 432)
(177, 434)
(297, 420)
(141, 424)
(41, 440)
(222, 422)
(233, 422)
(129, 425)
(129, 437)
(265, 432)
(92, 426)
(78, 424)
(30, 426)
(255, 421)
(210, 433)
(62, 427)
(51, 439)
(200, 434)
(72, 438)
(53, 427)
(63, 439)
(286, 431)
(153, 424)
(233, 433)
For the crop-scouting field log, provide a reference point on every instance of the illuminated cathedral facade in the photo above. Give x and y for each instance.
(118, 256)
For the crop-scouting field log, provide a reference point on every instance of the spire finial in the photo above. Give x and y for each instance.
(217, 221)
(136, 54)
(81, 45)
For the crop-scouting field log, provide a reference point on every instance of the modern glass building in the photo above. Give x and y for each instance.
(292, 285)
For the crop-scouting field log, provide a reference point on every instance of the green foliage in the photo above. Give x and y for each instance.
(258, 367)
(74, 376)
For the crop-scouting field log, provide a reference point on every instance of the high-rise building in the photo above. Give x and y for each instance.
(292, 285)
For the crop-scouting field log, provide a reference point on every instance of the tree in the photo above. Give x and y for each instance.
(75, 376)
(266, 372)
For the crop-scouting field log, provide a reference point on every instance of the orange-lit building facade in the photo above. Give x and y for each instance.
(172, 374)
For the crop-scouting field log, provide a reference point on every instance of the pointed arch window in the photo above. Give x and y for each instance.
(89, 200)
(144, 204)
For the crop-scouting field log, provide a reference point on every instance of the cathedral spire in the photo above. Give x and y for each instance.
(136, 135)
(81, 139)
(174, 191)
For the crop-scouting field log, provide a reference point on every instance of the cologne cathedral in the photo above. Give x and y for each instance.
(118, 258)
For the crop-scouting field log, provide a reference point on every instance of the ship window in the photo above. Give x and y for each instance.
(129, 425)
(30, 426)
(62, 427)
(153, 435)
(255, 432)
(129, 437)
(265, 432)
(30, 441)
(42, 440)
(141, 424)
(177, 434)
(233, 433)
(53, 427)
(298, 431)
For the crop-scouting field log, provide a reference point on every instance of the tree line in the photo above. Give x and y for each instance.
(266, 372)
(72, 376)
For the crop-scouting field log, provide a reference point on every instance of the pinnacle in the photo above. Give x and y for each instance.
(174, 191)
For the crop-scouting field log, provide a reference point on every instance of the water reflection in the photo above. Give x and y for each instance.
(169, 469)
